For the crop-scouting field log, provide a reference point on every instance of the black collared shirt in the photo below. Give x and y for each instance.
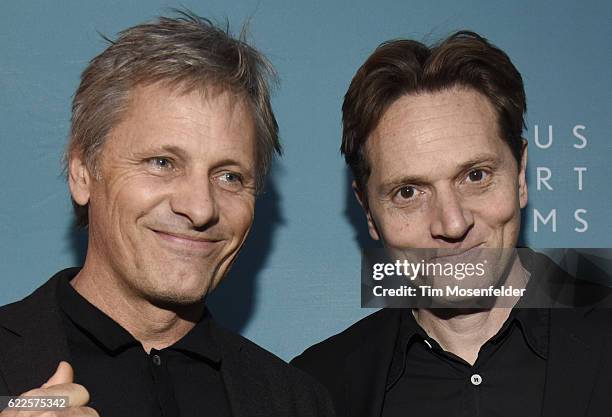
(507, 379)
(182, 380)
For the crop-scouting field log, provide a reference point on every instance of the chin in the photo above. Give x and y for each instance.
(171, 300)
(181, 292)
(177, 284)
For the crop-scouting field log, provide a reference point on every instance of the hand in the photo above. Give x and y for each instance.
(60, 384)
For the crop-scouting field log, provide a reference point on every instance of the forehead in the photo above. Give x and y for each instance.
(158, 115)
(428, 132)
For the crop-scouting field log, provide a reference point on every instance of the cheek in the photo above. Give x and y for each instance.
(400, 228)
(130, 199)
(501, 206)
(237, 213)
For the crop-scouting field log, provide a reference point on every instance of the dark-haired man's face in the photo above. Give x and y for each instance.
(441, 176)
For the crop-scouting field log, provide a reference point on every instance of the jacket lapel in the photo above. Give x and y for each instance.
(32, 339)
(247, 396)
(367, 368)
(575, 353)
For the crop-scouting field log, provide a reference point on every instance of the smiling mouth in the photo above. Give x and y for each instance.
(188, 242)
(457, 254)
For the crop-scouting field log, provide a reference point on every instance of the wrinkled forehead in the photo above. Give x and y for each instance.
(199, 123)
(154, 93)
(428, 132)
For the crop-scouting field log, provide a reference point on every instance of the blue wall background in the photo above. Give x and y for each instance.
(297, 281)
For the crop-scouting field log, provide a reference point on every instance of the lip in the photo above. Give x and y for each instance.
(456, 253)
(187, 242)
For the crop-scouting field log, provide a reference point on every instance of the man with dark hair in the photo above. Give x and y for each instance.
(433, 136)
(172, 134)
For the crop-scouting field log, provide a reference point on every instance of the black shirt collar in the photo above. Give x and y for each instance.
(533, 324)
(409, 332)
(200, 340)
(110, 335)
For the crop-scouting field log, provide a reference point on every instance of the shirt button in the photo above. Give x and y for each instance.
(476, 379)
(156, 360)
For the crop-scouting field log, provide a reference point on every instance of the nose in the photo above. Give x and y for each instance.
(193, 197)
(452, 220)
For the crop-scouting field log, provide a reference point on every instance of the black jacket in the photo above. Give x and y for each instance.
(32, 343)
(353, 365)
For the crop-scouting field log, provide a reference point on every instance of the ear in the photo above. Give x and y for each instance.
(362, 199)
(79, 180)
(522, 177)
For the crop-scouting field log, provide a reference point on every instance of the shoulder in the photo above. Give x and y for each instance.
(289, 391)
(329, 361)
(40, 302)
(253, 361)
(598, 317)
(333, 350)
(589, 326)
(237, 344)
(32, 339)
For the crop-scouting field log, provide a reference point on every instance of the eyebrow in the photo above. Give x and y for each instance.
(230, 162)
(180, 152)
(482, 158)
(479, 159)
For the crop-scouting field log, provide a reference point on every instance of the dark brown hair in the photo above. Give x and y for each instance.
(189, 52)
(399, 67)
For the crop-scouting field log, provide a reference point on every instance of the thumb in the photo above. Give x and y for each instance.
(63, 375)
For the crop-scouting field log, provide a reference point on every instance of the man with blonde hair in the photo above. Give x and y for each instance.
(172, 134)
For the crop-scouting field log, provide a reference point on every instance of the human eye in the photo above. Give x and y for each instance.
(160, 163)
(231, 177)
(405, 194)
(478, 176)
(230, 180)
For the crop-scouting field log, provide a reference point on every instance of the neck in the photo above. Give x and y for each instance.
(153, 326)
(464, 331)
